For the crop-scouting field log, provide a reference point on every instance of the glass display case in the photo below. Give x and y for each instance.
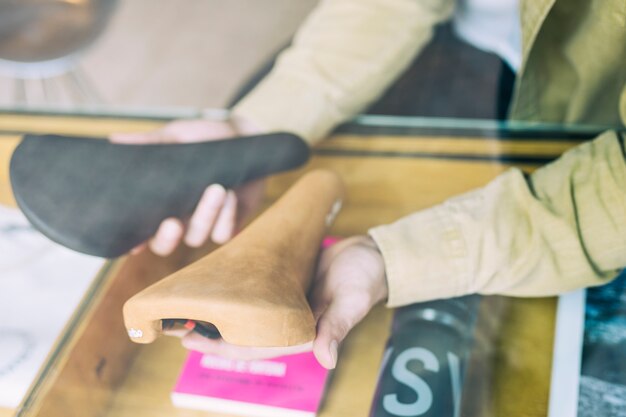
(392, 166)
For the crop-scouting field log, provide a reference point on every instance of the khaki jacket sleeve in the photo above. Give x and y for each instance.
(561, 228)
(344, 56)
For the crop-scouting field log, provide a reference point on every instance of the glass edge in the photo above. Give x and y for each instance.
(51, 362)
(114, 112)
(361, 121)
(474, 124)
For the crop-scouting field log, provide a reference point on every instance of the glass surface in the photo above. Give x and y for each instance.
(511, 334)
(366, 124)
(135, 65)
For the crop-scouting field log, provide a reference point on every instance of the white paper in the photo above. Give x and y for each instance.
(589, 362)
(41, 283)
(566, 359)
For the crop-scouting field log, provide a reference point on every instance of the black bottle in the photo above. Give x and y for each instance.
(423, 366)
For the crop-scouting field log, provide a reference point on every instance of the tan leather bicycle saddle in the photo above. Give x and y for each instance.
(254, 288)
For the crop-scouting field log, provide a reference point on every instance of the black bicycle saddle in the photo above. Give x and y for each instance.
(103, 199)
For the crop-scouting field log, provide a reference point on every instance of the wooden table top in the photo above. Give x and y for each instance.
(96, 371)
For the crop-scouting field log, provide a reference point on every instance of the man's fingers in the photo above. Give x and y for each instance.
(138, 249)
(141, 138)
(207, 220)
(194, 341)
(186, 131)
(167, 237)
(176, 332)
(205, 215)
(180, 131)
(333, 326)
(225, 223)
(249, 197)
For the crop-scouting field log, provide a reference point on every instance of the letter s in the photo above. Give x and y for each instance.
(402, 374)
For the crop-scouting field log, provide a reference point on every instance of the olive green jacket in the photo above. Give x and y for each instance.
(573, 62)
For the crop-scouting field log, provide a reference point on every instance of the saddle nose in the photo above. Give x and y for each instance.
(254, 288)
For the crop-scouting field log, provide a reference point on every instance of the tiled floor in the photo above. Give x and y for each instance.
(181, 53)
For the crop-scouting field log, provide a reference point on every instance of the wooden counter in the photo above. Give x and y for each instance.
(95, 371)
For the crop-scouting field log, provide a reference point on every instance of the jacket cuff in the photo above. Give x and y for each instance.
(425, 257)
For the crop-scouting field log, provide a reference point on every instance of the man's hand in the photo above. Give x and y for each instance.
(350, 280)
(219, 211)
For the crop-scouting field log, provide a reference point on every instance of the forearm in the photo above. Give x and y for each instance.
(563, 227)
(342, 58)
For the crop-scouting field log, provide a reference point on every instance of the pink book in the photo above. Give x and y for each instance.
(287, 386)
